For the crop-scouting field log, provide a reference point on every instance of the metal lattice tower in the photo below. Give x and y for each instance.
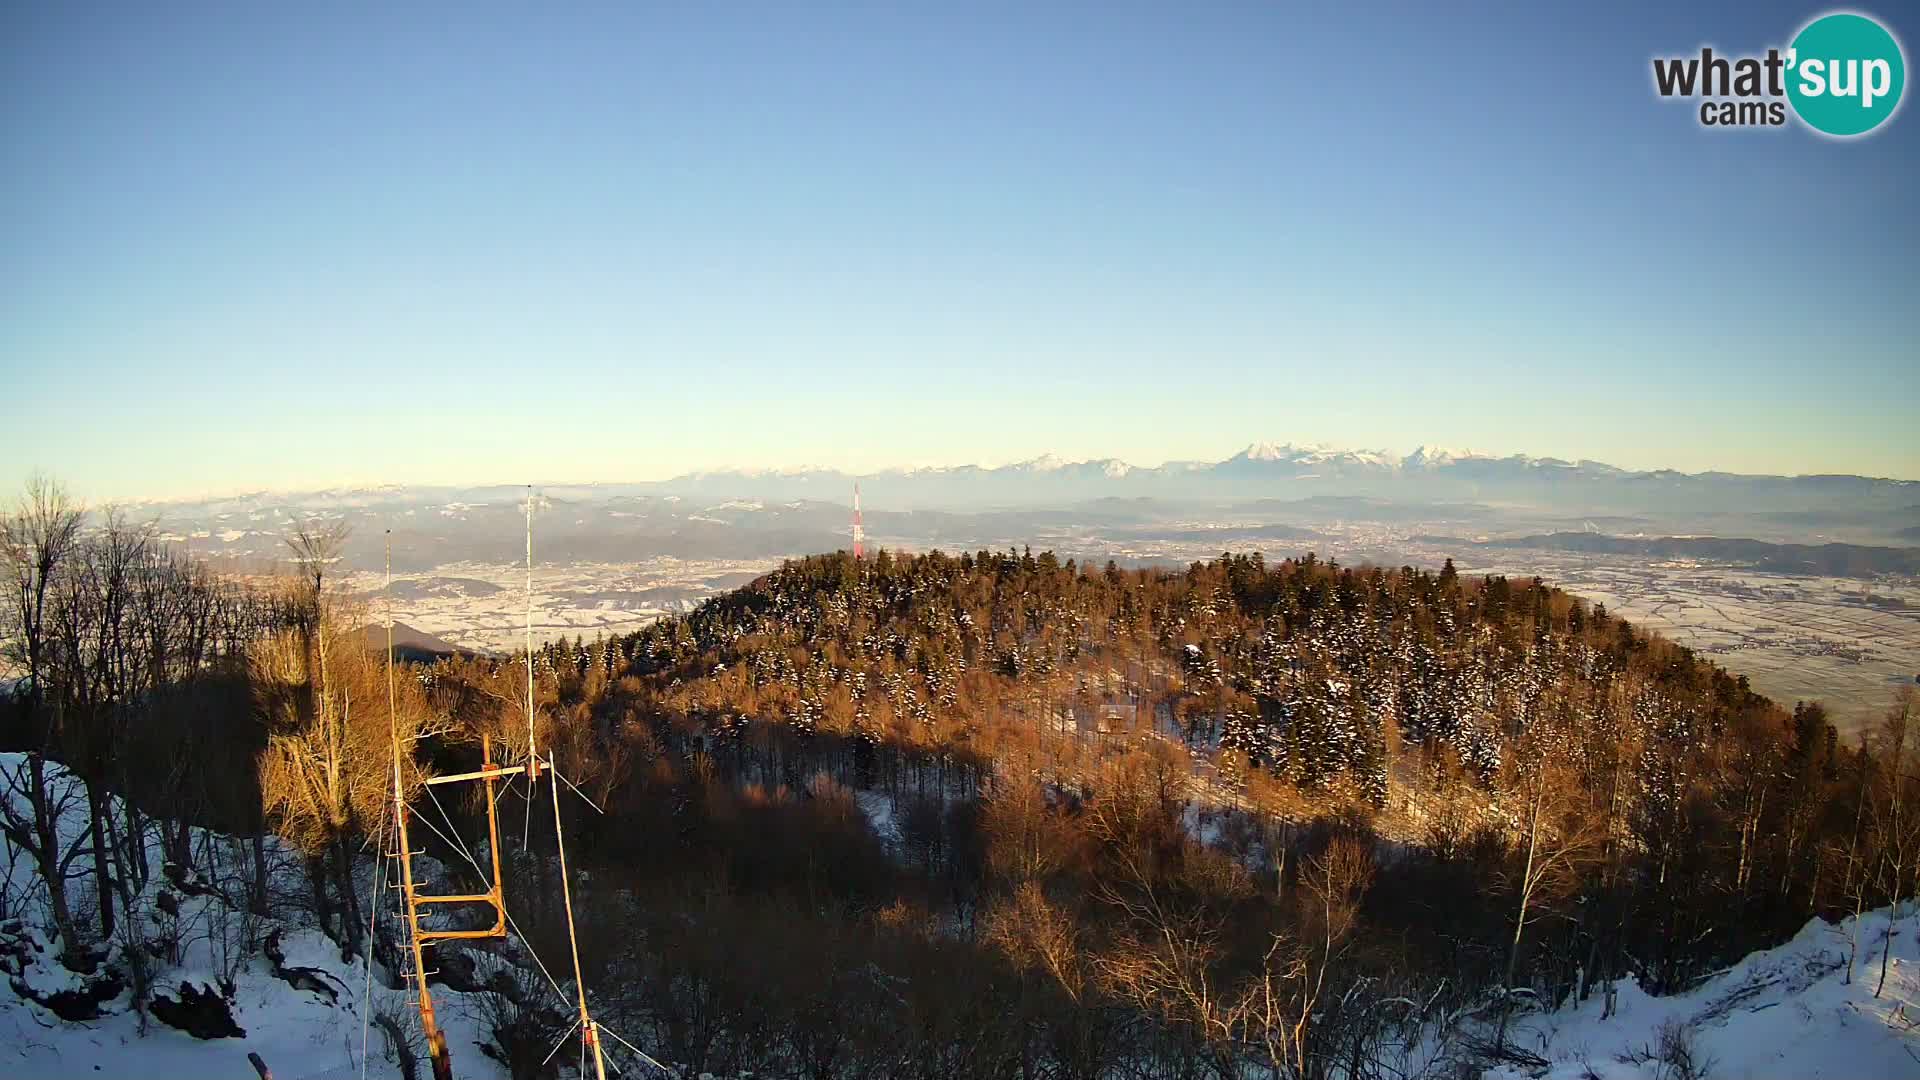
(420, 937)
(859, 532)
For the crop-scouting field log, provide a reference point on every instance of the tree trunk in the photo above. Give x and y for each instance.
(1520, 919)
(257, 895)
(322, 906)
(97, 811)
(1857, 886)
(180, 843)
(1893, 916)
(1793, 844)
(123, 882)
(47, 835)
(136, 844)
(350, 900)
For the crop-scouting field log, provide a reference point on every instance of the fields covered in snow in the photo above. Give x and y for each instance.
(483, 606)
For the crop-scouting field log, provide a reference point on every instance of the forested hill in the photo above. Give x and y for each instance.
(1306, 670)
(1566, 794)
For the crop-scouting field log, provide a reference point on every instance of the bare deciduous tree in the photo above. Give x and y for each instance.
(1558, 836)
(1896, 817)
(36, 539)
(326, 774)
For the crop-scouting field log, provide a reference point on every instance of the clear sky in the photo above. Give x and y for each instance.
(293, 245)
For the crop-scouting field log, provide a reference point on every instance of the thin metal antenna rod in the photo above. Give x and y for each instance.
(533, 757)
(589, 1029)
(533, 753)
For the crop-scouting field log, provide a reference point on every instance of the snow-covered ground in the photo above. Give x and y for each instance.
(206, 943)
(300, 1034)
(878, 808)
(1787, 1013)
(484, 605)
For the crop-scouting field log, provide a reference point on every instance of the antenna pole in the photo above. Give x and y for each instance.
(533, 756)
(589, 1028)
(436, 1042)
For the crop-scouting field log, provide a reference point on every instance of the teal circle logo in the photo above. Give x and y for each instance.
(1845, 73)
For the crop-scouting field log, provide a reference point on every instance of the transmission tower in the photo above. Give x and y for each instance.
(859, 533)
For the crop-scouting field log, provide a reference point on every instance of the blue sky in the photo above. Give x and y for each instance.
(247, 246)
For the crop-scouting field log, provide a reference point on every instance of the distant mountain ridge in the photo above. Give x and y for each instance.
(1260, 471)
(1292, 470)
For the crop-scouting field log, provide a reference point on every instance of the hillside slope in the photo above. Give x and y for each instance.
(1789, 1011)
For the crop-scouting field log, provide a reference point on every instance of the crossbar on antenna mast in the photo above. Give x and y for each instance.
(493, 772)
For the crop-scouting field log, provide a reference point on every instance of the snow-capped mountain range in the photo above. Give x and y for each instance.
(1262, 470)
(1289, 470)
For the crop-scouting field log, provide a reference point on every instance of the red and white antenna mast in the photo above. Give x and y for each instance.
(859, 532)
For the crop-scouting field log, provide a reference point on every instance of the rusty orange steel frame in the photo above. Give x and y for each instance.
(489, 773)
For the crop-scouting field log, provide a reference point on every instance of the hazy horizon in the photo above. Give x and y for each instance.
(478, 479)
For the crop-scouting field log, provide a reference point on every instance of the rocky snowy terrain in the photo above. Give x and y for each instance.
(222, 981)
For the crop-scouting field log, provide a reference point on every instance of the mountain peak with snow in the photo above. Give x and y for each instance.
(1273, 469)
(1268, 453)
(1426, 456)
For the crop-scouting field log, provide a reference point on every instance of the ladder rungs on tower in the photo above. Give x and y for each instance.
(469, 898)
